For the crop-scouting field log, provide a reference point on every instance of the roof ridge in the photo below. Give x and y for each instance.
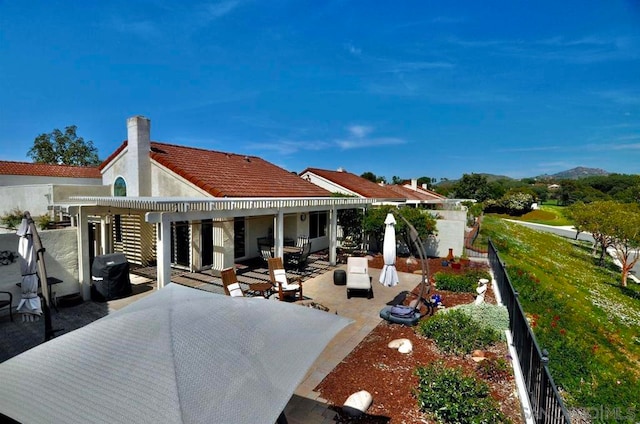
(205, 150)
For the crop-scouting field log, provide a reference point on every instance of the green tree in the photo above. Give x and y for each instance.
(64, 148)
(624, 220)
(396, 180)
(423, 221)
(473, 186)
(369, 176)
(428, 181)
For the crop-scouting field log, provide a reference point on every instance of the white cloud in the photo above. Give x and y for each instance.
(356, 51)
(361, 143)
(359, 131)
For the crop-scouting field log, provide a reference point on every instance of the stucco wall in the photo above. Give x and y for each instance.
(60, 258)
(453, 215)
(168, 184)
(450, 236)
(32, 198)
(17, 180)
(117, 168)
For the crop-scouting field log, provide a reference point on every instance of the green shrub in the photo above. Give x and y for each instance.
(12, 219)
(455, 332)
(43, 221)
(494, 369)
(487, 315)
(454, 282)
(461, 283)
(452, 397)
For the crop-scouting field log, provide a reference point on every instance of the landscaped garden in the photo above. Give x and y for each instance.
(459, 369)
(581, 314)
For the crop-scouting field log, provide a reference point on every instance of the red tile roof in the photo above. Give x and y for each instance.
(46, 170)
(419, 194)
(357, 184)
(231, 175)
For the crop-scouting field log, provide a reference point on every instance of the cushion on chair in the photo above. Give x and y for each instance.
(358, 270)
(235, 290)
(280, 276)
(358, 281)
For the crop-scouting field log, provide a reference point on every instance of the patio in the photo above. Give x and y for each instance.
(305, 406)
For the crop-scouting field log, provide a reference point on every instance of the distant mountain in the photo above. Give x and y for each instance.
(576, 173)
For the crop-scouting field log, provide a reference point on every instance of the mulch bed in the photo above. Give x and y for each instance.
(389, 375)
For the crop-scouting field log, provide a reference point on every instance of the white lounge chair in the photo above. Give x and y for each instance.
(358, 277)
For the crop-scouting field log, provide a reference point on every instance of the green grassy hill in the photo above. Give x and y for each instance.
(579, 313)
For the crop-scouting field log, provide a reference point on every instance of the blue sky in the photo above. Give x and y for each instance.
(409, 88)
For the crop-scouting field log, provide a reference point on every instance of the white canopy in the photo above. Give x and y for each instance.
(389, 274)
(30, 302)
(179, 355)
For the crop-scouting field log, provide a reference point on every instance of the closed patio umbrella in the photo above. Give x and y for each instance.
(389, 274)
(178, 356)
(29, 306)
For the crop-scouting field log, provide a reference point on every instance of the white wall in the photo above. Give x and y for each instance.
(327, 185)
(452, 215)
(18, 180)
(32, 198)
(60, 258)
(450, 236)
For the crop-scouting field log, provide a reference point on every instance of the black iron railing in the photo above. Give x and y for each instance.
(546, 404)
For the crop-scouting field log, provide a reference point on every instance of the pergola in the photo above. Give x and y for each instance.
(164, 211)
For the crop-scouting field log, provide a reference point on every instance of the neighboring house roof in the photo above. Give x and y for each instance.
(418, 194)
(228, 174)
(357, 184)
(47, 170)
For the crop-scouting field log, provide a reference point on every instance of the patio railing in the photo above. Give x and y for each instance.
(546, 403)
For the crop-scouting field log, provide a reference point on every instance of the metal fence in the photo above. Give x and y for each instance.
(471, 250)
(546, 404)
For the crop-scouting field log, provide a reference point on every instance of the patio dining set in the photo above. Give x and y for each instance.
(295, 253)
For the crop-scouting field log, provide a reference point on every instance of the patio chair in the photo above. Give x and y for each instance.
(358, 277)
(299, 260)
(7, 302)
(302, 240)
(230, 283)
(265, 252)
(281, 283)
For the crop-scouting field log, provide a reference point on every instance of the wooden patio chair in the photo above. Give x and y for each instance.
(230, 283)
(281, 283)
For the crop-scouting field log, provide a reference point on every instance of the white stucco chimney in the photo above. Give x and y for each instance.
(138, 148)
(425, 186)
(414, 184)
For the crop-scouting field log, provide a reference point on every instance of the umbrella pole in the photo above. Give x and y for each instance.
(42, 276)
(424, 264)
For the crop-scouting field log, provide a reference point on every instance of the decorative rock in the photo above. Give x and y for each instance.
(403, 345)
(406, 347)
(478, 355)
(357, 403)
(395, 344)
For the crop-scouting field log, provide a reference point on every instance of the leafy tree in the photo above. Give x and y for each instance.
(625, 233)
(351, 222)
(473, 186)
(369, 176)
(423, 221)
(428, 181)
(396, 180)
(65, 148)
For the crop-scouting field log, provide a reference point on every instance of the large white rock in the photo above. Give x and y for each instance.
(357, 403)
(403, 345)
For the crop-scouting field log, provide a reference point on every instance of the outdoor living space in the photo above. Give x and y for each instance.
(319, 288)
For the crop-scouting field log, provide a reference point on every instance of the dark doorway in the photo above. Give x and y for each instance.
(207, 243)
(92, 241)
(239, 248)
(180, 243)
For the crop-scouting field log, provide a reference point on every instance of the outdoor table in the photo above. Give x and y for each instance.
(261, 288)
(50, 282)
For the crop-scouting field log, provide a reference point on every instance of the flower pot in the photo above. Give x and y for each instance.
(456, 265)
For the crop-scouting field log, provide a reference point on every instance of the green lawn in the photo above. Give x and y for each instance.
(579, 312)
(547, 214)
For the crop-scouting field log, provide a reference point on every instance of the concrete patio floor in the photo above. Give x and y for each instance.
(306, 405)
